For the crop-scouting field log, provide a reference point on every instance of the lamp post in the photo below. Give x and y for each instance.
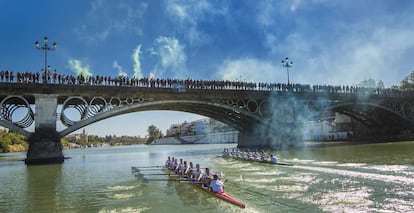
(45, 48)
(286, 63)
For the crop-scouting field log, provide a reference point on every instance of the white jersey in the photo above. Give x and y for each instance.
(168, 163)
(209, 175)
(172, 165)
(183, 168)
(196, 173)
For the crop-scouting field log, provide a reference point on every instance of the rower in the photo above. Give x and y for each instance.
(178, 166)
(255, 155)
(189, 170)
(197, 174)
(168, 162)
(183, 168)
(226, 152)
(273, 159)
(233, 153)
(263, 155)
(216, 185)
(174, 165)
(207, 177)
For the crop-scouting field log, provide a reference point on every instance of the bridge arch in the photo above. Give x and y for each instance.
(371, 115)
(11, 104)
(232, 116)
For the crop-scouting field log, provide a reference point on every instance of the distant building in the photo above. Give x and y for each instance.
(337, 127)
(198, 127)
(76, 138)
(203, 131)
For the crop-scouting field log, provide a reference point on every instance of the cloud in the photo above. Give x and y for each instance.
(339, 48)
(171, 56)
(79, 68)
(137, 63)
(106, 18)
(250, 69)
(189, 14)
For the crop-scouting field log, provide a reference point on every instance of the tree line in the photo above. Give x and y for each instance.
(407, 83)
(15, 142)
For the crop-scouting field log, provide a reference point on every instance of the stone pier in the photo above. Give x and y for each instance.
(44, 143)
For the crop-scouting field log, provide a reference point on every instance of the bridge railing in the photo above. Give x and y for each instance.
(7, 76)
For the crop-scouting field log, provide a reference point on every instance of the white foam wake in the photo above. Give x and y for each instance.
(364, 175)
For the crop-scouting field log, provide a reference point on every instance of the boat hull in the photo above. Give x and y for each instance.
(223, 195)
(258, 161)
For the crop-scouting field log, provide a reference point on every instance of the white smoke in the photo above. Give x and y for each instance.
(137, 63)
(80, 69)
(249, 69)
(171, 55)
(119, 68)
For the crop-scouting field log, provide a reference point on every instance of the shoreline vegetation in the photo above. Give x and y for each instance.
(14, 142)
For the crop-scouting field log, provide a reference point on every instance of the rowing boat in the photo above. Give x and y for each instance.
(222, 195)
(257, 161)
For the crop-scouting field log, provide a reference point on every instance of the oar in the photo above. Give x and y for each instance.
(145, 167)
(181, 180)
(149, 174)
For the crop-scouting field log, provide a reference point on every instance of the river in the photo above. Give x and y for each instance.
(347, 178)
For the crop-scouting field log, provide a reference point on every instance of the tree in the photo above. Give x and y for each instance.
(9, 139)
(153, 133)
(408, 82)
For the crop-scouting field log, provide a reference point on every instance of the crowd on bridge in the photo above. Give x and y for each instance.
(53, 77)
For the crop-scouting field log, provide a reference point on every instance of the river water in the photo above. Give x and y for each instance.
(347, 178)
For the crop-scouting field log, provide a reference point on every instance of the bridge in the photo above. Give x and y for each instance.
(265, 118)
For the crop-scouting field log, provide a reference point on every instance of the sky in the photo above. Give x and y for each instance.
(335, 42)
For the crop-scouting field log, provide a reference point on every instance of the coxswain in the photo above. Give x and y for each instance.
(216, 185)
(273, 159)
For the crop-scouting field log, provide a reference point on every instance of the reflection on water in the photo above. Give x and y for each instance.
(47, 178)
(361, 178)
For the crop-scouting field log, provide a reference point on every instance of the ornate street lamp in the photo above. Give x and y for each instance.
(45, 48)
(286, 63)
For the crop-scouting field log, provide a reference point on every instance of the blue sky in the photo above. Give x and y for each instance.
(330, 41)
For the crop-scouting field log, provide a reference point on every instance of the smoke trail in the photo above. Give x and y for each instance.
(80, 69)
(119, 68)
(137, 64)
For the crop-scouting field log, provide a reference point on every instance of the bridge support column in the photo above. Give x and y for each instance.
(262, 138)
(44, 143)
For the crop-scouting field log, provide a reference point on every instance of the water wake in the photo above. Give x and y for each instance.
(364, 175)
